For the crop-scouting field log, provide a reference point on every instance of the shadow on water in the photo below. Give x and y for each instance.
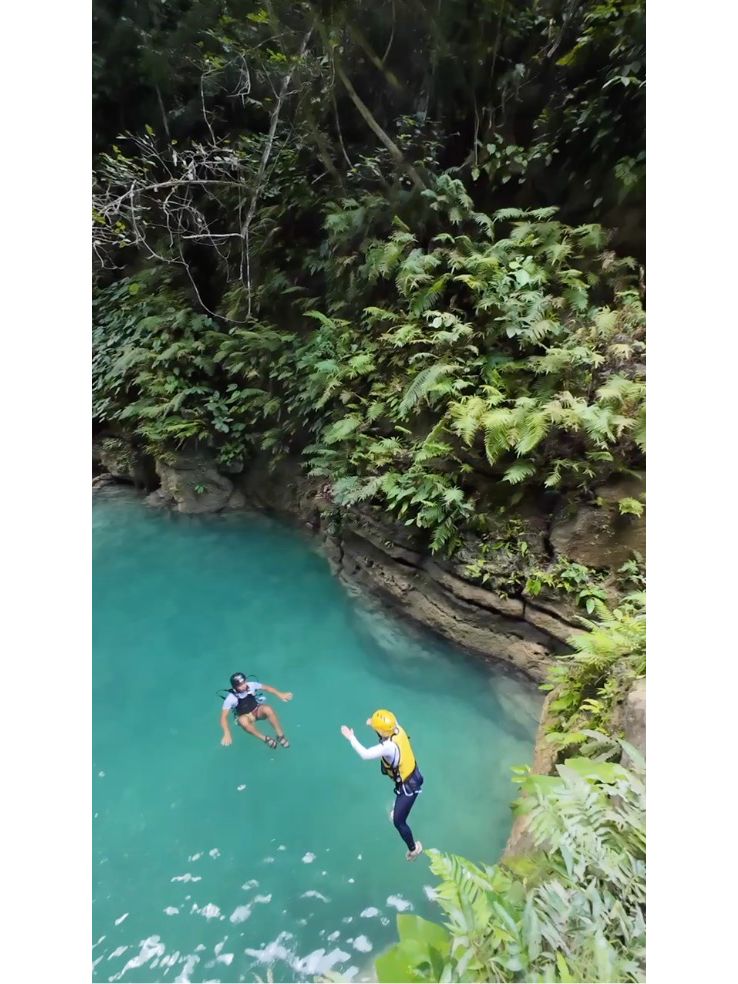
(410, 651)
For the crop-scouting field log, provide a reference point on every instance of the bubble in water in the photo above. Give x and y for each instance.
(369, 913)
(171, 911)
(362, 944)
(120, 919)
(240, 788)
(308, 857)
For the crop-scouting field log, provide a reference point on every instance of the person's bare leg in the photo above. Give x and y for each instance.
(265, 711)
(246, 721)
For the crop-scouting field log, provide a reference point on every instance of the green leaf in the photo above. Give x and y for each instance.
(630, 507)
(423, 383)
(399, 963)
(342, 429)
(518, 472)
(430, 933)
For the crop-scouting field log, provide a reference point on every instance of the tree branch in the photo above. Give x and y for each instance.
(374, 126)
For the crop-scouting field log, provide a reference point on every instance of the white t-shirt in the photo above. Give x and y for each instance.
(231, 699)
(386, 749)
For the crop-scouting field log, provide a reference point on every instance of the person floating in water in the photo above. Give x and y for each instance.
(242, 700)
(397, 761)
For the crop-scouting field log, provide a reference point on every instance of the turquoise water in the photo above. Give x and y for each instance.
(214, 863)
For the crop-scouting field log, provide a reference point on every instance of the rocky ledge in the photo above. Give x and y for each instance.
(374, 553)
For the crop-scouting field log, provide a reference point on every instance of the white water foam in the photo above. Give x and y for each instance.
(399, 903)
(314, 895)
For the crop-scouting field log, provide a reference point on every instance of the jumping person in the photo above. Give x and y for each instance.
(397, 761)
(242, 700)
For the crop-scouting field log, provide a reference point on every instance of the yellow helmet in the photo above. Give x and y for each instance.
(383, 722)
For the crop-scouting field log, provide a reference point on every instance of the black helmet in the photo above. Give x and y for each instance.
(237, 678)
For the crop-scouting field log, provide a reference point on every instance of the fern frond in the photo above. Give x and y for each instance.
(423, 383)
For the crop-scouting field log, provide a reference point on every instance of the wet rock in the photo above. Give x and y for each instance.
(120, 457)
(103, 480)
(470, 617)
(191, 483)
(597, 535)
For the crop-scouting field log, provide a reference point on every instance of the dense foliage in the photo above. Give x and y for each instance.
(572, 910)
(509, 346)
(393, 237)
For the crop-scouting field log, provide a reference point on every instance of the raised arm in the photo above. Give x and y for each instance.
(375, 752)
(277, 693)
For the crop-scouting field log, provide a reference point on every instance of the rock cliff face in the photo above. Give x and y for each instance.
(388, 559)
(118, 457)
(372, 552)
(376, 554)
(191, 483)
(598, 535)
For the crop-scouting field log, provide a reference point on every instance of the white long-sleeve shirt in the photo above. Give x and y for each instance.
(386, 749)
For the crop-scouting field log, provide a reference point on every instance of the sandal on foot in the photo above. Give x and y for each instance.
(270, 742)
(281, 740)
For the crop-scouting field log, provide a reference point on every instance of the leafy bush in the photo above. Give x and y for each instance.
(592, 681)
(509, 346)
(573, 910)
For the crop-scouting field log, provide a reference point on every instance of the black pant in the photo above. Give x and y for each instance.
(406, 793)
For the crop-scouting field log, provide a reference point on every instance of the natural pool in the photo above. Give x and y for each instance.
(215, 864)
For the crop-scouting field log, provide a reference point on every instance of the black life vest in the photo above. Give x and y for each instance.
(247, 702)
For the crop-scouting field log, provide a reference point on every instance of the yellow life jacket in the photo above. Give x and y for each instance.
(406, 762)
